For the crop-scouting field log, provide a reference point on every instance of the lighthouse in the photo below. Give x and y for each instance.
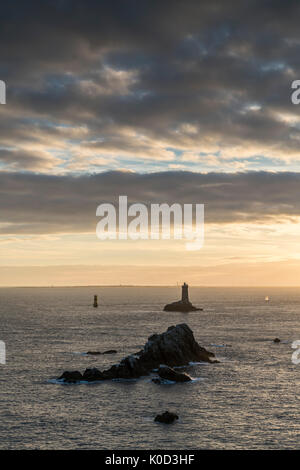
(183, 305)
(185, 293)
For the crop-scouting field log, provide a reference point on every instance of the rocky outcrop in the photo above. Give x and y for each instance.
(167, 373)
(175, 347)
(92, 375)
(166, 417)
(180, 306)
(71, 377)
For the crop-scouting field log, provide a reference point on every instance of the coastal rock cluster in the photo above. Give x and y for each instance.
(175, 347)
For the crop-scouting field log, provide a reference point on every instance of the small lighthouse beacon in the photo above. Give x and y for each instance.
(185, 293)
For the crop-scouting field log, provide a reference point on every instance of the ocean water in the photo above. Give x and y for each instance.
(248, 401)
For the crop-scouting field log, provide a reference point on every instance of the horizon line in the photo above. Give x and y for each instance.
(148, 285)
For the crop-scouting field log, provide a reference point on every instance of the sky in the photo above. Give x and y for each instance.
(162, 101)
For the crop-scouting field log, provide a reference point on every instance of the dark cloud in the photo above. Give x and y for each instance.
(15, 159)
(153, 67)
(31, 203)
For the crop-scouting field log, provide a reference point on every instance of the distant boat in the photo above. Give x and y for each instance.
(267, 298)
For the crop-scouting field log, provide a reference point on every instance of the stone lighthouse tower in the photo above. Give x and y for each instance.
(183, 305)
(185, 293)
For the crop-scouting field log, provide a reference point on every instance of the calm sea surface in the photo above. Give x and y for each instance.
(249, 400)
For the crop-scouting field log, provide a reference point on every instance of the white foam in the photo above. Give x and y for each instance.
(197, 379)
(172, 382)
(77, 382)
(201, 363)
(58, 382)
(124, 380)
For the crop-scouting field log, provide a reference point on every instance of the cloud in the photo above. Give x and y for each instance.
(138, 79)
(36, 203)
(27, 160)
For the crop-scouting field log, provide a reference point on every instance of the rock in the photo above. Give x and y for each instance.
(131, 367)
(181, 307)
(166, 417)
(168, 373)
(92, 375)
(174, 347)
(71, 377)
(89, 375)
(97, 353)
(277, 340)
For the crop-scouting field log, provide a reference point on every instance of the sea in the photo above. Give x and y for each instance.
(249, 400)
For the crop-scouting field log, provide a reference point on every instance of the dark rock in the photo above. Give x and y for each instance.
(166, 417)
(174, 347)
(98, 353)
(92, 375)
(168, 373)
(181, 307)
(131, 367)
(71, 377)
(277, 340)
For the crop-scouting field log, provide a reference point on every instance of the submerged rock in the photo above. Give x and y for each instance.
(168, 373)
(166, 417)
(98, 353)
(175, 347)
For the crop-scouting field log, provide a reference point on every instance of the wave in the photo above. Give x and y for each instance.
(171, 382)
